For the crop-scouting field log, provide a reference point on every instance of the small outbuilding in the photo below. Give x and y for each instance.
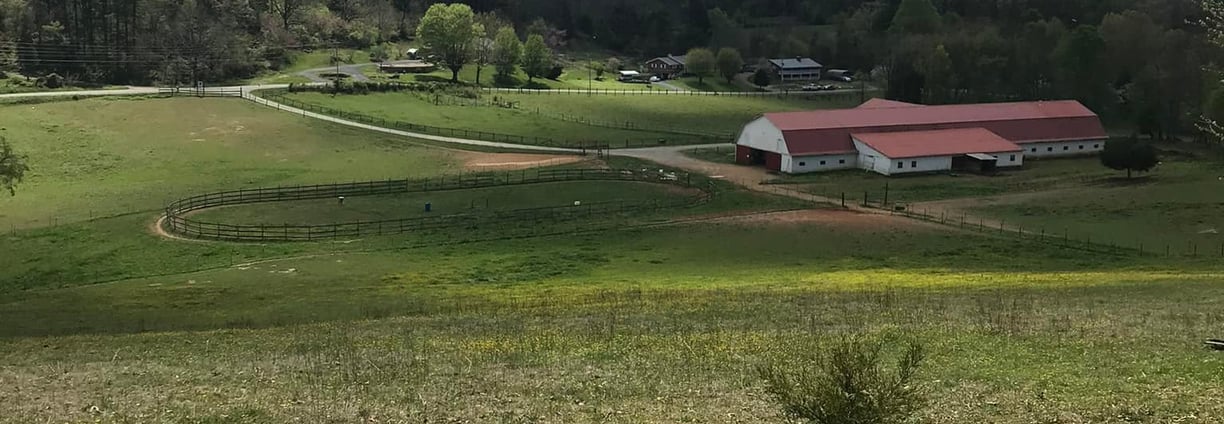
(908, 152)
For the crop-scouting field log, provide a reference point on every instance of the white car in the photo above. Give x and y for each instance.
(655, 79)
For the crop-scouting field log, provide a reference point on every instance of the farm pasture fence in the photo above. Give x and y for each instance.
(177, 221)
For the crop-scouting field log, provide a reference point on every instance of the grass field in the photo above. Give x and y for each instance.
(650, 113)
(1177, 207)
(1037, 175)
(623, 319)
(94, 158)
(414, 108)
(658, 325)
(709, 84)
(408, 205)
(725, 114)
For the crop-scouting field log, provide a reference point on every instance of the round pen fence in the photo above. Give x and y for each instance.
(177, 220)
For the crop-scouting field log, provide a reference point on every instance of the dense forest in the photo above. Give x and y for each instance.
(1136, 60)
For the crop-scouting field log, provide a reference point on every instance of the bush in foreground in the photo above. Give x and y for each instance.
(848, 384)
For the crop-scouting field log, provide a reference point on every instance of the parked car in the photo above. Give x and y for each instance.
(655, 79)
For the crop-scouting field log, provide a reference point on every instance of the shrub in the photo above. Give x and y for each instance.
(554, 72)
(847, 384)
(3, 75)
(761, 77)
(52, 80)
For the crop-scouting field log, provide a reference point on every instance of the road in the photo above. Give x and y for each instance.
(84, 93)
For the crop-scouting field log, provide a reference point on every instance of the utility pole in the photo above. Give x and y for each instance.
(336, 76)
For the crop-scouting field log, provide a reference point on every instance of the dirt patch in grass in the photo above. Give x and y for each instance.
(476, 161)
(832, 217)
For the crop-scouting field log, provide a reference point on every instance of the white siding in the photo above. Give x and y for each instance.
(763, 135)
(1063, 148)
(914, 165)
(802, 164)
(1010, 159)
(872, 160)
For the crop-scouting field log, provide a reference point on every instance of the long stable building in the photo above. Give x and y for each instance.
(892, 137)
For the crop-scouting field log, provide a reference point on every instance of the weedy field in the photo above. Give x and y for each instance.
(661, 317)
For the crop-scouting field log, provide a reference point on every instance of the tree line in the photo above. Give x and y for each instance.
(1140, 61)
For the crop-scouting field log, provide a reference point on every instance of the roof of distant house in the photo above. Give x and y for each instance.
(915, 144)
(671, 60)
(795, 63)
(828, 131)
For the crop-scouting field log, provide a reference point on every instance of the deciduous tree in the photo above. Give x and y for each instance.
(916, 17)
(701, 62)
(1129, 154)
(12, 167)
(537, 57)
(450, 31)
(729, 63)
(507, 51)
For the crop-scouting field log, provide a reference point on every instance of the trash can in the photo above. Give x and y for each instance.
(428, 207)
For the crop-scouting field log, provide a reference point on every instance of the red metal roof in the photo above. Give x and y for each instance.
(884, 104)
(915, 144)
(828, 131)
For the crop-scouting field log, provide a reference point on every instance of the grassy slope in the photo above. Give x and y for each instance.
(659, 325)
(704, 113)
(409, 205)
(105, 157)
(410, 107)
(1037, 175)
(1178, 207)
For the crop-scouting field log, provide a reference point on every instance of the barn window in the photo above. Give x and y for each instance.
(1066, 147)
(1034, 150)
(822, 163)
(900, 165)
(841, 161)
(1013, 158)
(1049, 149)
(1081, 147)
(802, 163)
(1096, 146)
(913, 164)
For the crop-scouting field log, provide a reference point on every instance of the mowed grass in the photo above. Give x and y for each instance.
(416, 109)
(706, 113)
(1177, 209)
(409, 205)
(652, 325)
(100, 157)
(1036, 175)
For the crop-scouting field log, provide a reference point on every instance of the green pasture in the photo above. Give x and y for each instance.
(1036, 175)
(708, 84)
(102, 157)
(707, 113)
(409, 205)
(629, 326)
(416, 108)
(1176, 209)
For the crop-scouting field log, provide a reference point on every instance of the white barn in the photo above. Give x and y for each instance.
(815, 141)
